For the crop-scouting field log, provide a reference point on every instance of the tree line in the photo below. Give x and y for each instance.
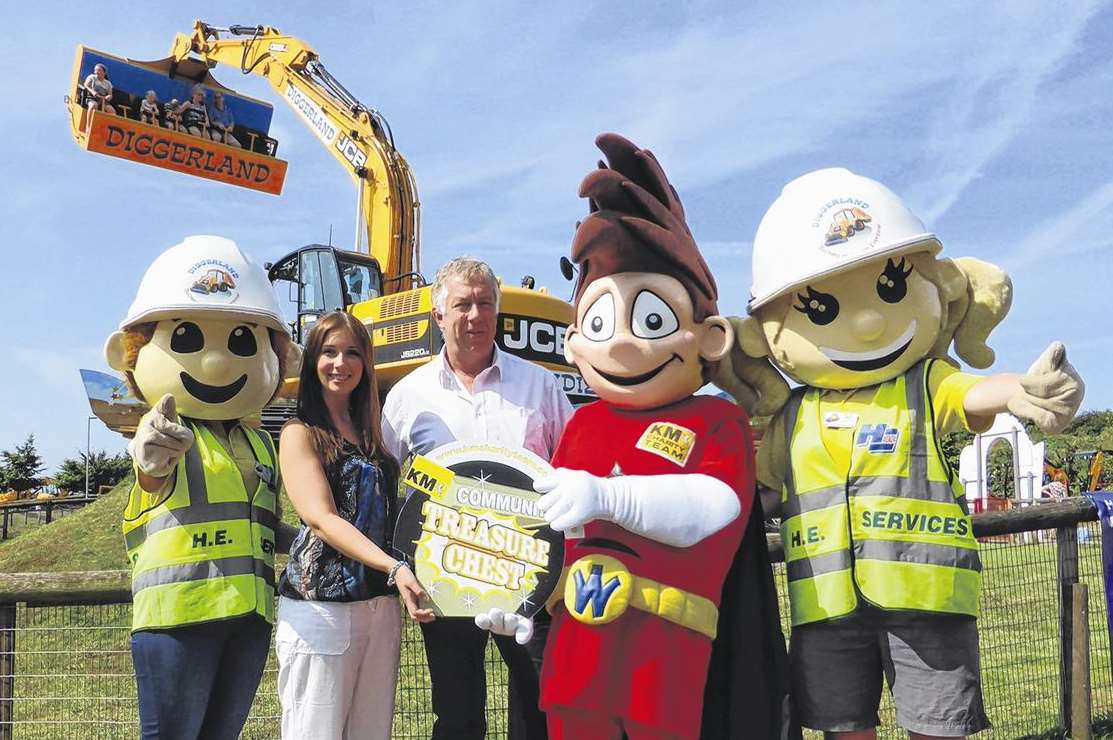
(1071, 451)
(22, 468)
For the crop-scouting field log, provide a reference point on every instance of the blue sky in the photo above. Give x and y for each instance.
(992, 120)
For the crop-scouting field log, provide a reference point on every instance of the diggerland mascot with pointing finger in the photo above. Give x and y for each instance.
(851, 300)
(205, 343)
(661, 482)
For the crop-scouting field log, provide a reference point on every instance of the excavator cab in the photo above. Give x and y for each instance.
(317, 279)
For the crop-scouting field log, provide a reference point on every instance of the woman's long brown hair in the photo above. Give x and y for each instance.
(363, 403)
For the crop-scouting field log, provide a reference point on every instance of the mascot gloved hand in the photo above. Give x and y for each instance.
(1050, 392)
(506, 623)
(206, 344)
(659, 479)
(851, 300)
(160, 441)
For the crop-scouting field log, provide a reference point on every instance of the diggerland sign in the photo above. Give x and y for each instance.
(139, 142)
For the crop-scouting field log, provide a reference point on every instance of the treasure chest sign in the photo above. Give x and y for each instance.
(471, 528)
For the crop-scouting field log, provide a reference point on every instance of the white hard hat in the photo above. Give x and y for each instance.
(205, 274)
(827, 222)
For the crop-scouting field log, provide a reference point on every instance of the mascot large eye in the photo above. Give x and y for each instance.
(892, 286)
(598, 321)
(187, 338)
(242, 342)
(821, 308)
(652, 318)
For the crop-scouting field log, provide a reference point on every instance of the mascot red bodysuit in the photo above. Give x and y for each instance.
(654, 486)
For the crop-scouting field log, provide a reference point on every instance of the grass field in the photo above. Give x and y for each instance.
(74, 676)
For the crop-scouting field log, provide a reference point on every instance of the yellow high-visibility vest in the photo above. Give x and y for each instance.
(894, 530)
(204, 551)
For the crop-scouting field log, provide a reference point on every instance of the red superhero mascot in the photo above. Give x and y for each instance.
(653, 485)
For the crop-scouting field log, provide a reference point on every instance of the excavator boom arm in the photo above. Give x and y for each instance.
(356, 136)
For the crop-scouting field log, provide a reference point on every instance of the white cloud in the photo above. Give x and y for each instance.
(1086, 227)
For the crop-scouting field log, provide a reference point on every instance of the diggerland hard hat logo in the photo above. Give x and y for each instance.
(845, 224)
(213, 281)
(848, 226)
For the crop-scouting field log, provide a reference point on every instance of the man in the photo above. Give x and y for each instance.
(472, 391)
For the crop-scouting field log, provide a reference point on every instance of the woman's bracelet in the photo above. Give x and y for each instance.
(398, 565)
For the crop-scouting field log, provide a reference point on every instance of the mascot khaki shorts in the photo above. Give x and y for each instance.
(930, 662)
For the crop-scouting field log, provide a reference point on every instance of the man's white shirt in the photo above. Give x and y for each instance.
(513, 403)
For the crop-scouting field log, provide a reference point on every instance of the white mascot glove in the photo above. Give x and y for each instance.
(160, 441)
(1052, 391)
(573, 498)
(506, 623)
(678, 510)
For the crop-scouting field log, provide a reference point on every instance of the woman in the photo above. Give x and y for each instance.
(221, 121)
(98, 91)
(339, 625)
(193, 116)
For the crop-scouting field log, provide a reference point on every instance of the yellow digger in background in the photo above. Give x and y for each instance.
(379, 280)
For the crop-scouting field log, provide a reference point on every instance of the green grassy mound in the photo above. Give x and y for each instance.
(86, 539)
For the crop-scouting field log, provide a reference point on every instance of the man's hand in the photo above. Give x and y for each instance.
(506, 623)
(1051, 391)
(160, 441)
(573, 498)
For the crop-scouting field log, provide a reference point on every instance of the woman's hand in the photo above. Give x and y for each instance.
(412, 594)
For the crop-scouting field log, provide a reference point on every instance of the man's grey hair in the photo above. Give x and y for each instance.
(467, 269)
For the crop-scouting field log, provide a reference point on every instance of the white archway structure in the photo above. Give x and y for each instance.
(973, 466)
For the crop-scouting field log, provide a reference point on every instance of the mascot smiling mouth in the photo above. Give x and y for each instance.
(636, 379)
(864, 361)
(212, 393)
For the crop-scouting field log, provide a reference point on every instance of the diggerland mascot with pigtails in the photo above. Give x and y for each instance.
(661, 483)
(204, 341)
(851, 300)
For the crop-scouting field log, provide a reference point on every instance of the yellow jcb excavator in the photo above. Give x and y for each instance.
(379, 280)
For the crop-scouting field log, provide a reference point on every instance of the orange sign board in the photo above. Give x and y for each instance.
(172, 150)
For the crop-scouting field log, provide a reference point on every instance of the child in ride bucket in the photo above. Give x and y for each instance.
(851, 300)
(149, 109)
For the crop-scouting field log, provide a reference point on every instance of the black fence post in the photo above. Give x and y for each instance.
(7, 513)
(7, 670)
(1066, 543)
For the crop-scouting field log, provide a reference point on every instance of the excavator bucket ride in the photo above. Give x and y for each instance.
(379, 279)
(139, 111)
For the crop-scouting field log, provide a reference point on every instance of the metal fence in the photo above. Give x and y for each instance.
(73, 678)
(68, 667)
(37, 511)
(1020, 631)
